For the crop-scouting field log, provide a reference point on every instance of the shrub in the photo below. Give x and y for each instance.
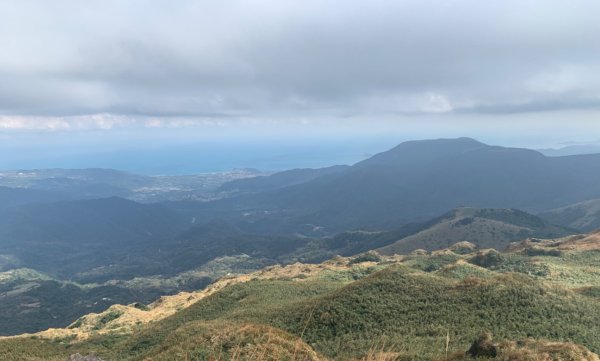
(366, 257)
(483, 346)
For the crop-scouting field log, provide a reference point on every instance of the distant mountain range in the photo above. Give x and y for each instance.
(103, 227)
(414, 181)
(306, 214)
(572, 150)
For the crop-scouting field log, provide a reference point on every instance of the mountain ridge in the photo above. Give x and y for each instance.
(485, 228)
(584, 216)
(417, 180)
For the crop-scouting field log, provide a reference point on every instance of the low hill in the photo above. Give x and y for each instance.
(583, 216)
(486, 228)
(404, 307)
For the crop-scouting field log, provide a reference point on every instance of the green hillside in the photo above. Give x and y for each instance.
(344, 309)
(584, 216)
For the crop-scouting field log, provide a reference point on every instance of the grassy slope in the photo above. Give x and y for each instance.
(584, 216)
(405, 306)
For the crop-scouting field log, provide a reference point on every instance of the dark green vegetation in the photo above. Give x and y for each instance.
(30, 306)
(31, 301)
(66, 238)
(406, 307)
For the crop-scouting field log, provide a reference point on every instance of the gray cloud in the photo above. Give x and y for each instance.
(241, 58)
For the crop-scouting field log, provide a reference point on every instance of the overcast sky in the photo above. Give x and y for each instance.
(510, 71)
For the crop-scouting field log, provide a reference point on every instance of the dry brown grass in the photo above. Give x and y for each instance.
(247, 342)
(588, 243)
(526, 350)
(580, 242)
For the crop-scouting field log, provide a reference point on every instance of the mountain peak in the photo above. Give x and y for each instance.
(442, 142)
(416, 151)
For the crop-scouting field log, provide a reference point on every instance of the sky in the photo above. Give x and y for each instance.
(90, 83)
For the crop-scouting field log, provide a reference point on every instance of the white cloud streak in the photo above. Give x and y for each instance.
(97, 122)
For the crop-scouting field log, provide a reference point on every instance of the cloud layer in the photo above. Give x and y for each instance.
(69, 64)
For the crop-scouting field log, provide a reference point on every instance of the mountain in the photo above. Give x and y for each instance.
(535, 300)
(584, 216)
(572, 150)
(485, 228)
(414, 181)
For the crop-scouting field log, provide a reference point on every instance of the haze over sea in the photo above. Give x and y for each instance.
(203, 156)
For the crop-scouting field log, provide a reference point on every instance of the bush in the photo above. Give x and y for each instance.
(366, 257)
(483, 346)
